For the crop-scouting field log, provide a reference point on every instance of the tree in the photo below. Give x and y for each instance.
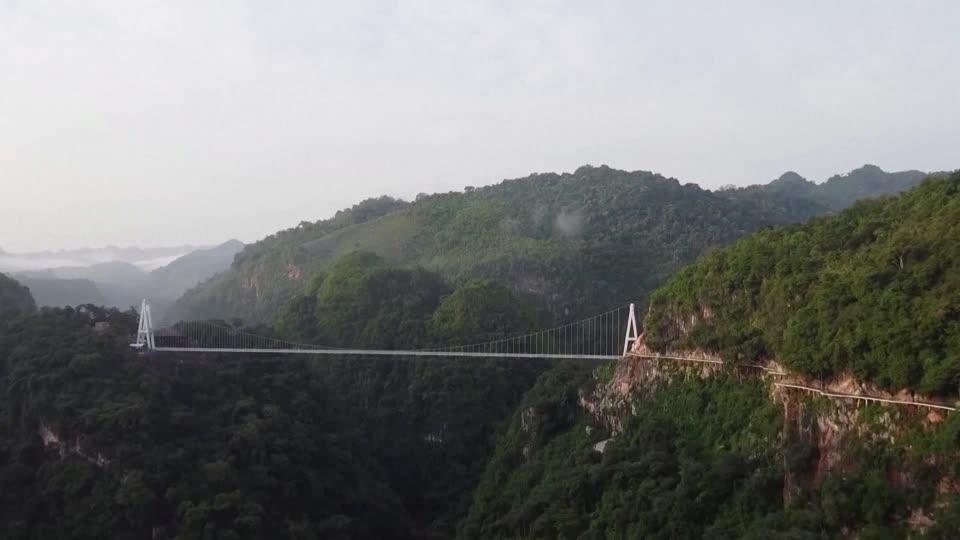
(480, 311)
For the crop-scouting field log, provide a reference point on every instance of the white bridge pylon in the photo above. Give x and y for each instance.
(596, 338)
(145, 329)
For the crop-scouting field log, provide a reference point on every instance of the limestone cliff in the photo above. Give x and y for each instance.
(70, 446)
(823, 425)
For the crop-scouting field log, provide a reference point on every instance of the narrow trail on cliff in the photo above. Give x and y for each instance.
(795, 386)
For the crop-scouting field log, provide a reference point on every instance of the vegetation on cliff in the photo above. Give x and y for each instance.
(874, 290)
(713, 458)
(698, 461)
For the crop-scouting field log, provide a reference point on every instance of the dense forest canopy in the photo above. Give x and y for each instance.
(874, 290)
(99, 442)
(480, 311)
(581, 242)
(364, 299)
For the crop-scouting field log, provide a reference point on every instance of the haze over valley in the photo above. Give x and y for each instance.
(117, 277)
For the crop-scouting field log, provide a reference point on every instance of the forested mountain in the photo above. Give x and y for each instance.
(874, 290)
(559, 237)
(15, 299)
(663, 449)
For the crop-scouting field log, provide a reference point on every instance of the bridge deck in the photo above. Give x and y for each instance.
(377, 352)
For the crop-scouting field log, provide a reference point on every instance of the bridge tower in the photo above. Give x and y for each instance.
(145, 329)
(631, 334)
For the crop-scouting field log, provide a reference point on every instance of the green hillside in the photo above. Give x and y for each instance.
(560, 237)
(874, 289)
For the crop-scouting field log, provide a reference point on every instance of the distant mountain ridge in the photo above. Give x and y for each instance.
(555, 236)
(122, 284)
(144, 258)
(116, 283)
(838, 191)
(193, 268)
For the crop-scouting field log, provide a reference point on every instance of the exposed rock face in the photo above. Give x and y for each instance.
(436, 436)
(252, 282)
(831, 427)
(822, 429)
(526, 419)
(601, 446)
(680, 322)
(823, 432)
(51, 439)
(633, 379)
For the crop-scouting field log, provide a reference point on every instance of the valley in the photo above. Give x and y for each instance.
(394, 270)
(104, 442)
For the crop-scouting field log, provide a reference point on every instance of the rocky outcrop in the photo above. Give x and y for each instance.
(294, 272)
(252, 283)
(639, 375)
(66, 447)
(821, 421)
(633, 379)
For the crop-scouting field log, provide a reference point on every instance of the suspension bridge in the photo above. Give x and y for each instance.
(606, 336)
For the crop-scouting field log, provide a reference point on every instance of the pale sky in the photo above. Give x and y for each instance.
(153, 123)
